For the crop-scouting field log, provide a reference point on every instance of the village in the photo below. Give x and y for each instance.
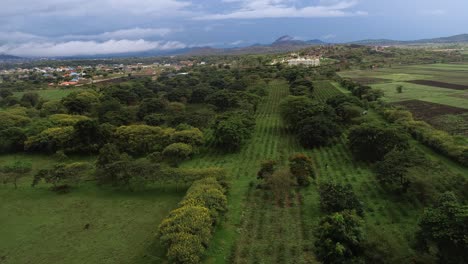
(64, 76)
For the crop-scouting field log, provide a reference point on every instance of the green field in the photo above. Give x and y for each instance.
(387, 79)
(51, 94)
(40, 226)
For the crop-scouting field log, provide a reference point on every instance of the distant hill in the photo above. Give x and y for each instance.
(6, 57)
(462, 38)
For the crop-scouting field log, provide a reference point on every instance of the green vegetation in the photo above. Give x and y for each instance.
(237, 162)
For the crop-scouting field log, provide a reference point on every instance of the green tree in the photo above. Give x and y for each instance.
(231, 130)
(63, 176)
(336, 197)
(30, 99)
(393, 169)
(443, 229)
(317, 130)
(371, 142)
(177, 152)
(302, 168)
(268, 167)
(13, 172)
(339, 238)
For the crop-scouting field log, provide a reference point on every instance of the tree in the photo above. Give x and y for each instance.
(268, 167)
(12, 140)
(87, 136)
(371, 141)
(223, 100)
(80, 103)
(399, 88)
(280, 183)
(443, 229)
(392, 170)
(302, 168)
(193, 137)
(63, 176)
(142, 139)
(335, 198)
(339, 238)
(231, 130)
(30, 99)
(177, 152)
(13, 172)
(151, 106)
(317, 130)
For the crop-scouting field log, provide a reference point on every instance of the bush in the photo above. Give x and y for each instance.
(302, 168)
(335, 197)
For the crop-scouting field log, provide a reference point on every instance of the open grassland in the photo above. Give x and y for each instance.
(42, 227)
(52, 93)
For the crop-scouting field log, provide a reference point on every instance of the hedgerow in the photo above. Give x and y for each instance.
(187, 231)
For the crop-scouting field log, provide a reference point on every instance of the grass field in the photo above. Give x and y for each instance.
(42, 227)
(51, 94)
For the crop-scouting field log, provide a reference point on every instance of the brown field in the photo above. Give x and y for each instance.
(370, 80)
(426, 111)
(440, 84)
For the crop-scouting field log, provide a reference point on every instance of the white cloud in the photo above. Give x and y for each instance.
(77, 48)
(134, 33)
(254, 9)
(329, 36)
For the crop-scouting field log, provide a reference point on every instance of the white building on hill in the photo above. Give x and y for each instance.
(314, 62)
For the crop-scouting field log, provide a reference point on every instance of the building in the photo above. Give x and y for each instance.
(314, 62)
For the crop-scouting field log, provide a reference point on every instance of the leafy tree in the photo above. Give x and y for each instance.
(339, 238)
(199, 94)
(280, 183)
(4, 93)
(30, 99)
(443, 229)
(51, 140)
(317, 131)
(151, 106)
(177, 152)
(393, 169)
(223, 100)
(231, 130)
(371, 142)
(142, 139)
(193, 137)
(302, 168)
(268, 167)
(52, 107)
(298, 90)
(80, 103)
(87, 136)
(63, 176)
(336, 197)
(13, 172)
(12, 140)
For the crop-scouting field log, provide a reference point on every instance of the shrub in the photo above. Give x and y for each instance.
(177, 152)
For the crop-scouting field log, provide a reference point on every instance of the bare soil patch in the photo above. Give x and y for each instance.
(426, 111)
(370, 80)
(452, 86)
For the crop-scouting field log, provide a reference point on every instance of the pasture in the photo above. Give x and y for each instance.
(40, 226)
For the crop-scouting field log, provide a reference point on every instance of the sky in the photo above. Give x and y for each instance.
(50, 28)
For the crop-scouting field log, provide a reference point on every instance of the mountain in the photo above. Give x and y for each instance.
(462, 38)
(291, 41)
(6, 57)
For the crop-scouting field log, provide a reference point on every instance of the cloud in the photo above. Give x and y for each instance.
(329, 36)
(255, 9)
(77, 48)
(134, 33)
(434, 12)
(91, 7)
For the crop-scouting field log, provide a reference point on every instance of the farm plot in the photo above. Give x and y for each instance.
(440, 84)
(51, 94)
(324, 90)
(257, 230)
